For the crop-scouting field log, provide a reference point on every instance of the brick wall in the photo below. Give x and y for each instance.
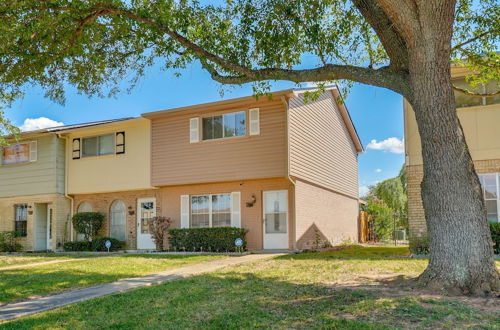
(60, 206)
(416, 217)
(325, 215)
(102, 203)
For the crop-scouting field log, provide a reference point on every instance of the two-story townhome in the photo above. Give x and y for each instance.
(32, 190)
(283, 168)
(108, 171)
(479, 117)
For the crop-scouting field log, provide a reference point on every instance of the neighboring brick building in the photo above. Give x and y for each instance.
(480, 119)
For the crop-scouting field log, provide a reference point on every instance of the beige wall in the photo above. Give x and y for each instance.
(44, 176)
(129, 171)
(251, 217)
(481, 129)
(61, 216)
(102, 203)
(324, 214)
(177, 161)
(321, 148)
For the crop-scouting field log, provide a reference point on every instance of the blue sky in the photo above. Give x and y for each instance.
(376, 112)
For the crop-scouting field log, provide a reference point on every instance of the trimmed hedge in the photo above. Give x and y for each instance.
(88, 223)
(99, 244)
(218, 239)
(78, 246)
(495, 236)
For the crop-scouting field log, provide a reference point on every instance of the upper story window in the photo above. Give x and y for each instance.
(19, 153)
(223, 126)
(463, 100)
(98, 145)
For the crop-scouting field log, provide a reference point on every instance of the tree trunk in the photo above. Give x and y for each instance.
(461, 247)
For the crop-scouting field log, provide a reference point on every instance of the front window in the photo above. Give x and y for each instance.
(490, 187)
(21, 221)
(223, 126)
(210, 211)
(117, 219)
(16, 154)
(98, 145)
(463, 100)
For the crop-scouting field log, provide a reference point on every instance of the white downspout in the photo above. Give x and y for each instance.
(71, 200)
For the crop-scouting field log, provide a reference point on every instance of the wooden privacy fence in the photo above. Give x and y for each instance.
(367, 227)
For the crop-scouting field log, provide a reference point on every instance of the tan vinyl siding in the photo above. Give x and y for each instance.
(321, 148)
(39, 177)
(177, 161)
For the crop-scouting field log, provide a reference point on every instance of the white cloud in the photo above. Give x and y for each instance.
(392, 144)
(363, 190)
(378, 170)
(32, 124)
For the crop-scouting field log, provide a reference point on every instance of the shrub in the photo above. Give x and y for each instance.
(78, 246)
(8, 242)
(88, 223)
(99, 244)
(219, 239)
(495, 236)
(158, 227)
(420, 245)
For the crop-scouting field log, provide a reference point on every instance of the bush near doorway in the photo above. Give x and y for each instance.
(218, 239)
(495, 236)
(8, 242)
(88, 223)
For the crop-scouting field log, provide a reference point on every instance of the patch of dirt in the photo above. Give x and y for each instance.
(399, 285)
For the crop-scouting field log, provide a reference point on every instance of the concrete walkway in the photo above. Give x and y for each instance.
(41, 263)
(34, 306)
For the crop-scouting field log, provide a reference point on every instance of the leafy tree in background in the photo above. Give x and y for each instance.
(403, 45)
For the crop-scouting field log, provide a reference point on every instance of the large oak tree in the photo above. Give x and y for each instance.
(403, 45)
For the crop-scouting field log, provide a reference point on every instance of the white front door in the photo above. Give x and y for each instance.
(275, 219)
(50, 216)
(146, 209)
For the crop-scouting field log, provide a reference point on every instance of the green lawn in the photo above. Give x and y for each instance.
(310, 290)
(26, 282)
(12, 260)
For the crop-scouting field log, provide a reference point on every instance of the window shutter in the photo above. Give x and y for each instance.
(254, 121)
(33, 151)
(120, 143)
(194, 127)
(236, 209)
(184, 211)
(76, 148)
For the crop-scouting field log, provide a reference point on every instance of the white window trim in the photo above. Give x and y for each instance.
(497, 180)
(210, 225)
(223, 124)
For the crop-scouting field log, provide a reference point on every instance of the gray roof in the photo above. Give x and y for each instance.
(76, 126)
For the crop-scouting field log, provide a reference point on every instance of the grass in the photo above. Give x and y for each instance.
(21, 283)
(292, 291)
(12, 260)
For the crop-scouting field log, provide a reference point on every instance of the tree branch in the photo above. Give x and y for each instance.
(392, 41)
(484, 34)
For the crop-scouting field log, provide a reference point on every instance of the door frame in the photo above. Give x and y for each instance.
(138, 222)
(287, 219)
(50, 226)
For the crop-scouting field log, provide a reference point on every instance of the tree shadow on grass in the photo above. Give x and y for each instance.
(235, 300)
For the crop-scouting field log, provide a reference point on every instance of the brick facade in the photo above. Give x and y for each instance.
(61, 215)
(102, 203)
(416, 217)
